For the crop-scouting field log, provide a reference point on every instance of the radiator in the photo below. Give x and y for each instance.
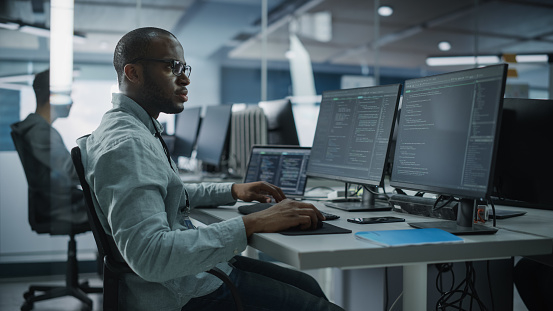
(248, 127)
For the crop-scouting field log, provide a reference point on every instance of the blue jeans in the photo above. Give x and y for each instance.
(265, 286)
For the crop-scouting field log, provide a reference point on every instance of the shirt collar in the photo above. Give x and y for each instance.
(123, 102)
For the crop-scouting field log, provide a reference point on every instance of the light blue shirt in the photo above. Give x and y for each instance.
(141, 202)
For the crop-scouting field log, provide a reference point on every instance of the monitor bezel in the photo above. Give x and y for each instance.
(363, 181)
(472, 194)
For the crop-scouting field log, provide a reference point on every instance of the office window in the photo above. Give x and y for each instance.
(9, 113)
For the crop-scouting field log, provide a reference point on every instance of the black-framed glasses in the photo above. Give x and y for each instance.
(177, 66)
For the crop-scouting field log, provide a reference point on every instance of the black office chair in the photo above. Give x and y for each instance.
(53, 227)
(113, 269)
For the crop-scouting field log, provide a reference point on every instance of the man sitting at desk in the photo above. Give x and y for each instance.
(144, 206)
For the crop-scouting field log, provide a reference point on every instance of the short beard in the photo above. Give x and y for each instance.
(153, 96)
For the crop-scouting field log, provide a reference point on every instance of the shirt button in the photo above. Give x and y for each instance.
(236, 252)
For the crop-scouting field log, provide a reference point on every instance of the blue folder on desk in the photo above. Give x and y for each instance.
(408, 237)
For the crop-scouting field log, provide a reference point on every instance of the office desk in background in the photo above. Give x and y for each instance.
(346, 252)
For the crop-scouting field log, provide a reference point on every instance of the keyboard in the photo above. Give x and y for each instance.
(256, 207)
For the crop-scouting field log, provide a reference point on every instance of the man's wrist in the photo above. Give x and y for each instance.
(233, 192)
(249, 224)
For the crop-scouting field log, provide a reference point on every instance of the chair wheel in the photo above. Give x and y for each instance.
(27, 306)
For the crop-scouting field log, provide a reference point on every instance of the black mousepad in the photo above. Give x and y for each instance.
(325, 229)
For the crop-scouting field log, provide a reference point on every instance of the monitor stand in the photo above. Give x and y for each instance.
(367, 203)
(464, 224)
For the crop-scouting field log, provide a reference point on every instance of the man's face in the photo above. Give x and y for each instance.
(162, 90)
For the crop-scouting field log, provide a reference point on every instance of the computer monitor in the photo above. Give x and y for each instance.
(186, 132)
(523, 168)
(282, 166)
(214, 135)
(352, 138)
(447, 139)
(281, 127)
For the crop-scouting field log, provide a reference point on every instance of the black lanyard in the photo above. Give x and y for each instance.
(165, 149)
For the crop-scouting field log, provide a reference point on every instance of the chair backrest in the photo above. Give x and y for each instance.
(100, 236)
(40, 199)
(30, 165)
(113, 269)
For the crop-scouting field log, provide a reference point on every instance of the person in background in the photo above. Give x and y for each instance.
(54, 188)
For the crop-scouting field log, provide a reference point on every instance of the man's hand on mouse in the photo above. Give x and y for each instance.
(286, 214)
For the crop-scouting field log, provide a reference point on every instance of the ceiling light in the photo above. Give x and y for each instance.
(444, 46)
(385, 10)
(536, 58)
(9, 25)
(33, 30)
(61, 51)
(462, 60)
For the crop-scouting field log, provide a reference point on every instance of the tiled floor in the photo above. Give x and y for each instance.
(11, 295)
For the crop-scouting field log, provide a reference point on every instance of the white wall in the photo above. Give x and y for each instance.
(205, 82)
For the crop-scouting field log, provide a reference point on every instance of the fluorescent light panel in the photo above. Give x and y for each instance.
(37, 31)
(462, 60)
(9, 25)
(483, 60)
(536, 58)
(61, 51)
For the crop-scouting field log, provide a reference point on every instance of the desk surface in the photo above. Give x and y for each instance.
(345, 251)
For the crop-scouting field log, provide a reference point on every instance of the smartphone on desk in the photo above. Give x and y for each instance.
(375, 220)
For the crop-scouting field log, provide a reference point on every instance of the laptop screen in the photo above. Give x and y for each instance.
(282, 166)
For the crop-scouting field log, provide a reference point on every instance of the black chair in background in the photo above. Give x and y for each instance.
(53, 227)
(113, 269)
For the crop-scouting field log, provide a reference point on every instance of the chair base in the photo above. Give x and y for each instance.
(72, 286)
(50, 292)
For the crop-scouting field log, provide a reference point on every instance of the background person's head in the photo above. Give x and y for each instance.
(41, 86)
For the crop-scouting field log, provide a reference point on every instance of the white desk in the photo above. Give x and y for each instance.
(346, 252)
(538, 222)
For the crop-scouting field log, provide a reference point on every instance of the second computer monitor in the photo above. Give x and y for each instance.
(352, 137)
(186, 131)
(448, 137)
(213, 135)
(281, 127)
(447, 132)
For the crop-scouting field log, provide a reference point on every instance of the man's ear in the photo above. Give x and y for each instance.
(133, 73)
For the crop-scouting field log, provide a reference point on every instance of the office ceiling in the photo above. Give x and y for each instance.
(228, 30)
